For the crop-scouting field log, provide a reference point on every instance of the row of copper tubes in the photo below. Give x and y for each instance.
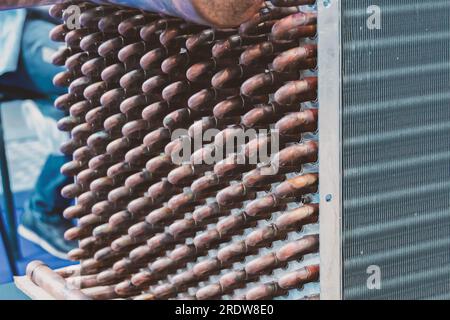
(148, 227)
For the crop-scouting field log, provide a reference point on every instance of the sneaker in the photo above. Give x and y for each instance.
(47, 234)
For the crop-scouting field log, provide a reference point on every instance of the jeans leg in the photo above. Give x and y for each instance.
(46, 199)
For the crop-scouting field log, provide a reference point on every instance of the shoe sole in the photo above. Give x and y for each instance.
(33, 237)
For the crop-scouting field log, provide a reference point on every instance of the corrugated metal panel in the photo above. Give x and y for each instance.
(396, 149)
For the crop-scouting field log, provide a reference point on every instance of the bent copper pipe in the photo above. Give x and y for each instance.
(53, 283)
(264, 115)
(264, 292)
(301, 24)
(253, 25)
(227, 283)
(218, 13)
(298, 122)
(295, 59)
(264, 264)
(179, 256)
(258, 266)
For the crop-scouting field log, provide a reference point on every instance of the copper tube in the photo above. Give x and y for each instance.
(74, 212)
(209, 292)
(297, 91)
(255, 178)
(207, 240)
(65, 101)
(262, 292)
(265, 83)
(298, 278)
(78, 254)
(298, 248)
(90, 43)
(295, 25)
(72, 168)
(298, 217)
(68, 271)
(299, 185)
(263, 52)
(109, 23)
(295, 59)
(61, 56)
(262, 264)
(57, 10)
(198, 127)
(183, 202)
(229, 224)
(112, 73)
(233, 165)
(295, 123)
(204, 100)
(261, 207)
(155, 84)
(207, 185)
(75, 62)
(80, 109)
(53, 283)
(227, 283)
(93, 67)
(90, 17)
(253, 25)
(206, 267)
(296, 155)
(63, 79)
(182, 228)
(261, 237)
(263, 115)
(232, 194)
(209, 212)
(233, 76)
(233, 251)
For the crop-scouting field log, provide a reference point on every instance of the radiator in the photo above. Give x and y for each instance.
(386, 225)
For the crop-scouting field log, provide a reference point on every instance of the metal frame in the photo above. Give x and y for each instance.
(330, 167)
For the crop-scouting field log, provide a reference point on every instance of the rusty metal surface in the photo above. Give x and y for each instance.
(151, 227)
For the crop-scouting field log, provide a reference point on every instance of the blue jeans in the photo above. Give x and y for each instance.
(46, 199)
(34, 75)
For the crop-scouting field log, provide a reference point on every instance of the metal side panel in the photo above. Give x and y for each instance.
(396, 150)
(329, 58)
